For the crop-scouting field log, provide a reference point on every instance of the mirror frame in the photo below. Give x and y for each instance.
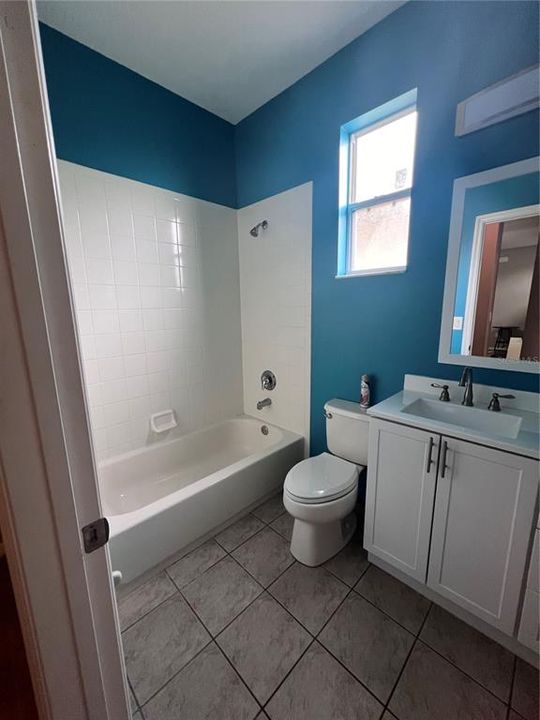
(461, 185)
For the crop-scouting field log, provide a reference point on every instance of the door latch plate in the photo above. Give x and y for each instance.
(95, 534)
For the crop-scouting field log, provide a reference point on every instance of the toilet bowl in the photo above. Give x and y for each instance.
(320, 492)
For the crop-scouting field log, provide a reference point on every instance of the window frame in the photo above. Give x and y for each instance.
(351, 207)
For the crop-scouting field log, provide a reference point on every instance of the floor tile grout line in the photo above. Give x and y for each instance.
(311, 642)
(387, 614)
(153, 572)
(463, 672)
(347, 594)
(512, 683)
(457, 667)
(317, 639)
(199, 619)
(141, 706)
(349, 672)
(263, 589)
(179, 589)
(364, 571)
(427, 644)
(211, 641)
(340, 662)
(213, 638)
(230, 621)
(294, 562)
(400, 674)
(313, 635)
(176, 591)
(258, 532)
(236, 672)
(267, 590)
(132, 692)
(253, 576)
(200, 574)
(215, 537)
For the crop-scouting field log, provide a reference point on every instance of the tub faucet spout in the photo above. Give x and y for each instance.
(264, 403)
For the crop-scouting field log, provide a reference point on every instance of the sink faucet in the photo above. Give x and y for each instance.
(264, 403)
(467, 382)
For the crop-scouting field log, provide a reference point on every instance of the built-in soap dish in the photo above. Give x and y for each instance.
(162, 421)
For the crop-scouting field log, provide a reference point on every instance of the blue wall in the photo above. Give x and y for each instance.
(109, 118)
(389, 325)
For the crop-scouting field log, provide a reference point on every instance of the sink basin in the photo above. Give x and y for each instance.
(471, 418)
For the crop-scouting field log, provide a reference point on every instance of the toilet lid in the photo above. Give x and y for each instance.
(323, 477)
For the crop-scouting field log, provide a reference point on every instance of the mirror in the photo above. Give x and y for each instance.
(492, 291)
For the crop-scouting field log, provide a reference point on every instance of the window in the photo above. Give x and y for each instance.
(375, 192)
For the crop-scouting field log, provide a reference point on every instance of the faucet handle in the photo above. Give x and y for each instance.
(445, 395)
(495, 405)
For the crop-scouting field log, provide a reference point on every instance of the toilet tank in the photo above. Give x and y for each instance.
(347, 430)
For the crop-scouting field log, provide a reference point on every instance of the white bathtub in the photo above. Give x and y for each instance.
(162, 498)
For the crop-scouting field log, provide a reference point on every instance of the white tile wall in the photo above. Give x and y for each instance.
(275, 282)
(156, 291)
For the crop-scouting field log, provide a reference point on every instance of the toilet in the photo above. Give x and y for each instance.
(320, 492)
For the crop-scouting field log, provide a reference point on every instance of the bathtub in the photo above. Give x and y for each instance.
(162, 498)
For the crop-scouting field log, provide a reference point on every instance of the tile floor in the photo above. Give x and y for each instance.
(237, 630)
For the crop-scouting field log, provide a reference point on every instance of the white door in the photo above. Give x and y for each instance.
(482, 528)
(400, 490)
(48, 488)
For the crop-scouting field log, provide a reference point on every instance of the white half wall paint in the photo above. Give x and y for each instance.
(155, 281)
(275, 290)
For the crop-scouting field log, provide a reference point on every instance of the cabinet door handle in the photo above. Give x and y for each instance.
(429, 454)
(443, 457)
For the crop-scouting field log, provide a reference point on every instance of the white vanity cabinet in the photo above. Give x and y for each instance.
(461, 523)
(482, 522)
(402, 472)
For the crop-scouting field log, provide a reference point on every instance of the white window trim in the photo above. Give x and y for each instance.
(352, 207)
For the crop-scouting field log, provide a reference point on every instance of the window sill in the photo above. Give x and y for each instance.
(368, 273)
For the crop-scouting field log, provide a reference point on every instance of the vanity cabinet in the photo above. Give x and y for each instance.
(482, 521)
(453, 515)
(402, 472)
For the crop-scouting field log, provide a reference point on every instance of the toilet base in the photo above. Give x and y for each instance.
(313, 544)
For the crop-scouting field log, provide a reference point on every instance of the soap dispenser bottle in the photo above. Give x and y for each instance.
(364, 392)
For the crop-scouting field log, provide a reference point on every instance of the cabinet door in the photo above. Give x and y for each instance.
(482, 523)
(402, 467)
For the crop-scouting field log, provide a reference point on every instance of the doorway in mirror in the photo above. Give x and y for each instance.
(502, 310)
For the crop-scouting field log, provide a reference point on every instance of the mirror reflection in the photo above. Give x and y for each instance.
(503, 311)
(496, 304)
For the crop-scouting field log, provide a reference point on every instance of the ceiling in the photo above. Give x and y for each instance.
(228, 56)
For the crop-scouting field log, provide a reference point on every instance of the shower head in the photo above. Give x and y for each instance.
(254, 232)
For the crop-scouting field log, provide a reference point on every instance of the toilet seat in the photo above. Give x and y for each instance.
(321, 479)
